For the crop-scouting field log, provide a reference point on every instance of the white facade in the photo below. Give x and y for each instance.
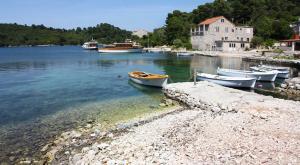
(220, 34)
(140, 33)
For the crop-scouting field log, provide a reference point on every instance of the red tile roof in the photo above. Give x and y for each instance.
(211, 20)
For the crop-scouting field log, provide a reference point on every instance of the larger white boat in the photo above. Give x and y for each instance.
(260, 76)
(236, 82)
(148, 79)
(91, 45)
(126, 47)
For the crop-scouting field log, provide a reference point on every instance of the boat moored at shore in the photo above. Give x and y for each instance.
(143, 78)
(280, 73)
(235, 82)
(184, 54)
(126, 47)
(260, 76)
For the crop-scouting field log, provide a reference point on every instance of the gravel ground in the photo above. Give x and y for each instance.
(222, 126)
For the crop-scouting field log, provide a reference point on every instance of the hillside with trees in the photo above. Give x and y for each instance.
(16, 35)
(270, 19)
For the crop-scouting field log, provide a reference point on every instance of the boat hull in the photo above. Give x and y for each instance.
(184, 54)
(120, 50)
(280, 73)
(150, 82)
(260, 76)
(235, 83)
(90, 48)
(275, 68)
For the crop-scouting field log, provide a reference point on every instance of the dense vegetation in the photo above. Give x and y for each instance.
(14, 34)
(270, 19)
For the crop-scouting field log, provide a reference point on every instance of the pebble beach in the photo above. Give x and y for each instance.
(213, 125)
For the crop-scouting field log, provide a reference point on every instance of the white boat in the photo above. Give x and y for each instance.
(280, 73)
(126, 47)
(275, 67)
(184, 54)
(92, 45)
(148, 79)
(260, 76)
(236, 82)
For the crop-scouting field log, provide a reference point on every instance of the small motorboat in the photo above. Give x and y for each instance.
(275, 67)
(280, 73)
(260, 76)
(236, 82)
(92, 45)
(148, 79)
(184, 54)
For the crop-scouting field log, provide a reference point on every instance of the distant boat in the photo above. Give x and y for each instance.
(280, 73)
(148, 79)
(126, 47)
(236, 82)
(184, 54)
(260, 76)
(91, 45)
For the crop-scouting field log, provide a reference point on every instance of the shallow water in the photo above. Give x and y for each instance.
(47, 90)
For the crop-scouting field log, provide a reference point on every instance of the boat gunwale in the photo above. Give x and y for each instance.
(132, 75)
(225, 78)
(247, 72)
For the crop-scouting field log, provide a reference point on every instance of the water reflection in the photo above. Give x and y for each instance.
(19, 66)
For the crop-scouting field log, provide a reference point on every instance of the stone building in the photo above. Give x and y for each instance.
(140, 33)
(220, 34)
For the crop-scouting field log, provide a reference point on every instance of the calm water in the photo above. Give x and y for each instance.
(47, 90)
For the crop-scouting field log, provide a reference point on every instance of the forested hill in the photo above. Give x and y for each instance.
(270, 18)
(15, 35)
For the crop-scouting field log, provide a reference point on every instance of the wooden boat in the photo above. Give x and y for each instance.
(148, 79)
(260, 76)
(280, 73)
(236, 82)
(126, 47)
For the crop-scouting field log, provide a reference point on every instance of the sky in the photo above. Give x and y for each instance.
(126, 14)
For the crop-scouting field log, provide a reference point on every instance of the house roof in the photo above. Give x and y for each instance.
(291, 40)
(211, 20)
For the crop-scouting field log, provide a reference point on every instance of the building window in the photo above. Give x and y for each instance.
(232, 30)
(248, 40)
(222, 38)
(226, 38)
(242, 45)
(226, 30)
(238, 38)
(230, 45)
(201, 28)
(206, 27)
(222, 20)
(217, 29)
(242, 39)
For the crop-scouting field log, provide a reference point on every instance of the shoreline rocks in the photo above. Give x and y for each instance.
(291, 88)
(221, 126)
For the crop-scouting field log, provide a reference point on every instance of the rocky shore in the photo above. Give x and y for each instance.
(291, 88)
(219, 126)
